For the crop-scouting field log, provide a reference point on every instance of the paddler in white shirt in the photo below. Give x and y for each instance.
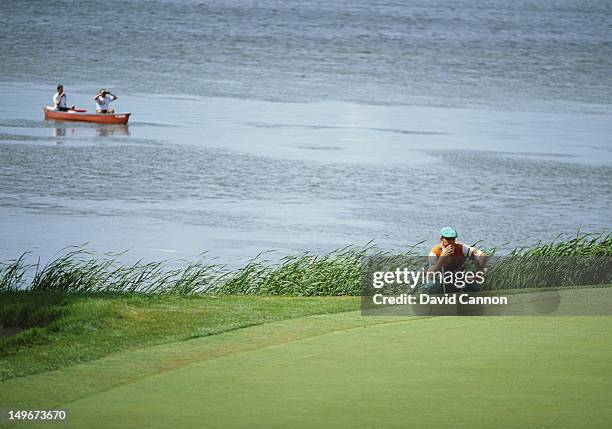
(59, 99)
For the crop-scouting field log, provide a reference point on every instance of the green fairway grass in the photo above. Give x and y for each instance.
(346, 370)
(419, 373)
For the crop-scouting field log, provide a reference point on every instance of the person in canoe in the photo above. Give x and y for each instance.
(103, 100)
(59, 100)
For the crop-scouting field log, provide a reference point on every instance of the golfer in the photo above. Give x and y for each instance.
(451, 255)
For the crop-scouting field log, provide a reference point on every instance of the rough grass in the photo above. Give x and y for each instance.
(67, 329)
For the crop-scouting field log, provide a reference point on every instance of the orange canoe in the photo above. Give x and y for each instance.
(99, 118)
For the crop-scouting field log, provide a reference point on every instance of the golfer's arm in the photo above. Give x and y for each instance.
(437, 265)
(482, 260)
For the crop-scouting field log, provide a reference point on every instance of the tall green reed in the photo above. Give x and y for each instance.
(569, 261)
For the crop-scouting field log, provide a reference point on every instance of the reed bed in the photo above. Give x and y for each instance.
(583, 259)
(77, 270)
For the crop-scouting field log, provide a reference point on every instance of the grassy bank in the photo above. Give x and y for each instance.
(67, 329)
(78, 308)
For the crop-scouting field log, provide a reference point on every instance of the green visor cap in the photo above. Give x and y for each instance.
(448, 232)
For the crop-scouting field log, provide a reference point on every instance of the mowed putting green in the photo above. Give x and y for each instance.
(346, 370)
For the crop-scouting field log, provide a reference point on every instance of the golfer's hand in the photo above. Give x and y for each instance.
(447, 251)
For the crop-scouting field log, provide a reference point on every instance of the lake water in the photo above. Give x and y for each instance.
(304, 126)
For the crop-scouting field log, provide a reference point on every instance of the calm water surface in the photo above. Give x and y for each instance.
(300, 126)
